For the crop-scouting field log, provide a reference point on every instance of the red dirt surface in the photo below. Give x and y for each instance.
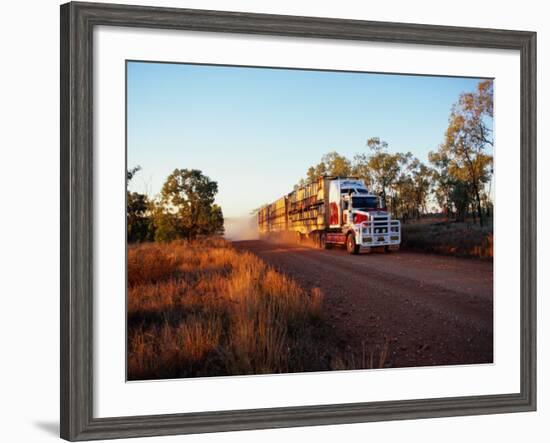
(427, 309)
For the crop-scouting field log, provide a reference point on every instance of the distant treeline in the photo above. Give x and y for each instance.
(185, 209)
(457, 178)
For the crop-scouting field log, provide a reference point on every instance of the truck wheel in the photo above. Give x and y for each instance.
(322, 241)
(316, 240)
(350, 244)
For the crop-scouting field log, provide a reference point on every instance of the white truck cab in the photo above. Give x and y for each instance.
(362, 218)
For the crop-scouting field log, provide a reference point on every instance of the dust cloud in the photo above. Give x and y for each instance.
(241, 228)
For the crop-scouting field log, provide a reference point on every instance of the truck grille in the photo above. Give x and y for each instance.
(380, 225)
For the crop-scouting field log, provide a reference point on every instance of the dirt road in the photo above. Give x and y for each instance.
(425, 309)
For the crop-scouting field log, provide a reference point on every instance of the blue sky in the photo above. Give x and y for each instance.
(256, 130)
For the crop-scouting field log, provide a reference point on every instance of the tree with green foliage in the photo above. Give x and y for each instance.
(421, 176)
(332, 164)
(360, 168)
(138, 220)
(451, 193)
(384, 169)
(467, 138)
(315, 172)
(186, 208)
(335, 164)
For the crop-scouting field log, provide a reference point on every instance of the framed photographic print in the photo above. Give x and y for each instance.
(273, 221)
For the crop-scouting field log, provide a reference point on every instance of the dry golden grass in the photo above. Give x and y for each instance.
(202, 309)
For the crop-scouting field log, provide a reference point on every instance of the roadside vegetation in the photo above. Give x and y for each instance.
(462, 239)
(184, 209)
(201, 308)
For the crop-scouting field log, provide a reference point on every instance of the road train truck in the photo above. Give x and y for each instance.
(332, 211)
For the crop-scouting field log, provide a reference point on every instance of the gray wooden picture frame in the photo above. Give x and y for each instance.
(77, 23)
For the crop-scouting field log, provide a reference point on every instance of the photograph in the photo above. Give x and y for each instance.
(275, 221)
(285, 220)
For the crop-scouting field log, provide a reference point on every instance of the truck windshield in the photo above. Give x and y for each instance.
(365, 203)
